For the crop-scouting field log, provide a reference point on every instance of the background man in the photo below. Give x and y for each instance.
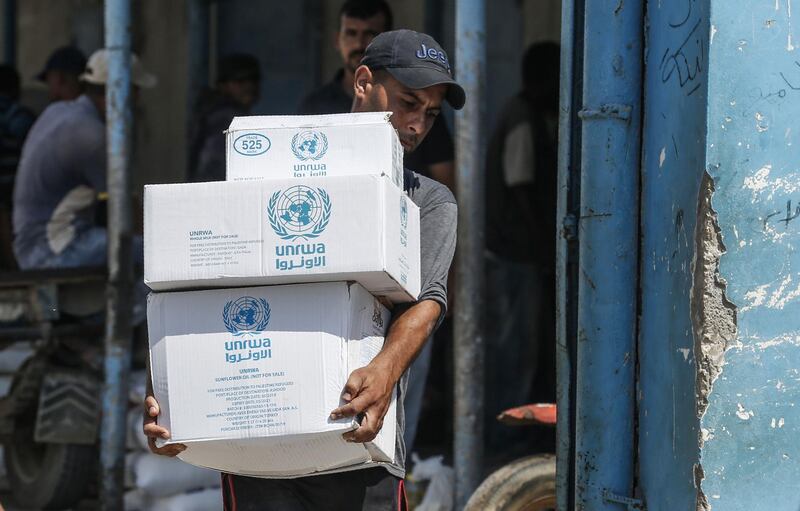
(62, 172)
(61, 73)
(522, 170)
(236, 92)
(359, 22)
(391, 78)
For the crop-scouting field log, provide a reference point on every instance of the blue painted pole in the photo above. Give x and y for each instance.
(120, 286)
(569, 141)
(608, 253)
(468, 338)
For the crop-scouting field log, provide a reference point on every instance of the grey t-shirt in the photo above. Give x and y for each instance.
(61, 171)
(438, 219)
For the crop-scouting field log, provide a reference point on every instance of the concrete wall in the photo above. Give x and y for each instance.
(44, 25)
(750, 456)
(159, 38)
(541, 20)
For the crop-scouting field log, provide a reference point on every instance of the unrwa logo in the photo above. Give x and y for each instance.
(300, 212)
(309, 145)
(246, 315)
(403, 212)
(377, 316)
(251, 144)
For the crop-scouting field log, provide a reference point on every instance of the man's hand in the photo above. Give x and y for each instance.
(368, 391)
(153, 431)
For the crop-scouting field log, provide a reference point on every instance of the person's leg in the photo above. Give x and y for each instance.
(252, 494)
(372, 489)
(512, 291)
(415, 393)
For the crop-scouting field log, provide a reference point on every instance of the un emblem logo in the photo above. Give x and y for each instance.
(300, 212)
(403, 212)
(246, 315)
(309, 145)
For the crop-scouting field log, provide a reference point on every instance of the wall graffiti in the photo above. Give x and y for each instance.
(686, 62)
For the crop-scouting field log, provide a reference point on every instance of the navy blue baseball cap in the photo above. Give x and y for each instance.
(414, 59)
(66, 58)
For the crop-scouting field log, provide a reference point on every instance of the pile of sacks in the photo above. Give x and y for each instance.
(270, 290)
(158, 483)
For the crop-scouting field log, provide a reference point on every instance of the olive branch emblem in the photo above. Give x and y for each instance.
(231, 326)
(280, 229)
(296, 142)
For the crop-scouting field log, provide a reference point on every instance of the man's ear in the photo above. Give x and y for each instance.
(362, 82)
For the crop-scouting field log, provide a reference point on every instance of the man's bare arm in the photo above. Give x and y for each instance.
(369, 389)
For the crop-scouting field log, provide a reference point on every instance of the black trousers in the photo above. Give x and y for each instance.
(373, 489)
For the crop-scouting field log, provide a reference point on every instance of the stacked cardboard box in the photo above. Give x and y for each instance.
(269, 288)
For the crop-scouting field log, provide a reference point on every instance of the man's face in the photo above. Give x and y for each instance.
(243, 92)
(62, 85)
(355, 35)
(413, 110)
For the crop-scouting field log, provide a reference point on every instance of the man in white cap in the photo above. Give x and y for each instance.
(62, 172)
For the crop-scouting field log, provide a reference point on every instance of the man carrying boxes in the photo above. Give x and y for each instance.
(274, 455)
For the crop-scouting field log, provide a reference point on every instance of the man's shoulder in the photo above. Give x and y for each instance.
(79, 112)
(426, 193)
(71, 126)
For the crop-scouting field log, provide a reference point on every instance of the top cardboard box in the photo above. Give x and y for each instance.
(303, 146)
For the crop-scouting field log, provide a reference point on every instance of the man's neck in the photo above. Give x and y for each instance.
(348, 77)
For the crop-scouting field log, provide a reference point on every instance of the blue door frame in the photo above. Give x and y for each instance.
(678, 295)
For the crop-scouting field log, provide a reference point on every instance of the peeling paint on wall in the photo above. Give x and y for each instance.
(713, 315)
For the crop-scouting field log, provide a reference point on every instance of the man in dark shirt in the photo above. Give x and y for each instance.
(520, 241)
(238, 77)
(359, 22)
(393, 77)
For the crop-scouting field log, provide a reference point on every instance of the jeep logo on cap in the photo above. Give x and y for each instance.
(426, 53)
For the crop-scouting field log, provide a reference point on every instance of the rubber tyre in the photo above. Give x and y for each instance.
(527, 484)
(47, 476)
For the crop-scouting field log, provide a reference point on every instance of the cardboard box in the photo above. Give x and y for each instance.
(251, 233)
(247, 378)
(303, 146)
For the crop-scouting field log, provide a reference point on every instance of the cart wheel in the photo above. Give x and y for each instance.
(47, 475)
(527, 484)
